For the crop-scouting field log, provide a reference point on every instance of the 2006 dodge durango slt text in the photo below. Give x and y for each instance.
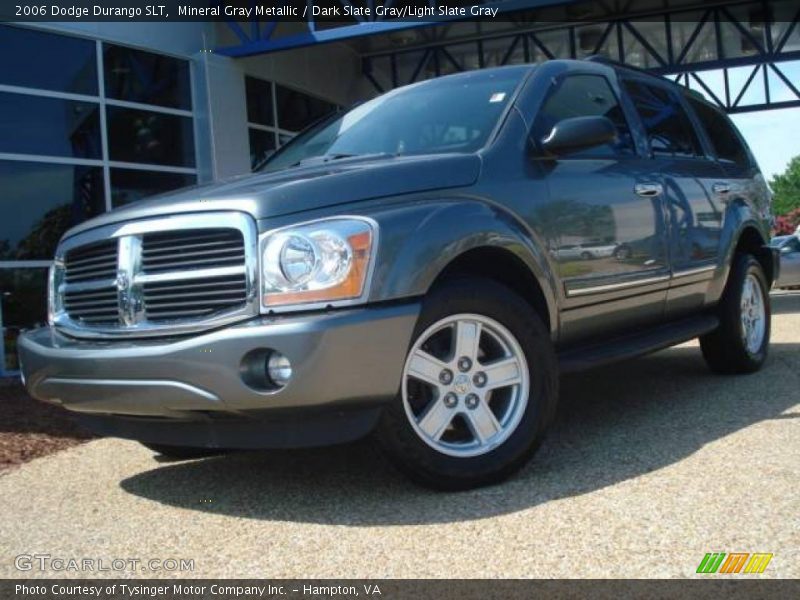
(423, 268)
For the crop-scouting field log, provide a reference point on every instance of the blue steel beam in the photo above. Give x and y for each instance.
(265, 43)
(766, 56)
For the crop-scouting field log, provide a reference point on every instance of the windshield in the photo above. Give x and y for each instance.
(452, 114)
(777, 242)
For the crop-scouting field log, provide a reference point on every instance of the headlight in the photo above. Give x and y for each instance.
(318, 262)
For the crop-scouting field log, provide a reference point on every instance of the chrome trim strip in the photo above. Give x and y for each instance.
(85, 286)
(194, 274)
(130, 279)
(638, 282)
(133, 383)
(616, 286)
(695, 271)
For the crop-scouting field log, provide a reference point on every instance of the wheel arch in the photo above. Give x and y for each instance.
(505, 267)
(752, 242)
(425, 243)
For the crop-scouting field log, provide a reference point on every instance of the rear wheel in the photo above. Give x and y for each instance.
(741, 342)
(479, 388)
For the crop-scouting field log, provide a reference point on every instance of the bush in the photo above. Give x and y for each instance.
(786, 189)
(788, 223)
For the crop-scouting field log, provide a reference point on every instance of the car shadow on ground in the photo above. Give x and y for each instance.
(615, 424)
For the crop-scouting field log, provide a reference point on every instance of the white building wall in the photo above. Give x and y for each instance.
(182, 39)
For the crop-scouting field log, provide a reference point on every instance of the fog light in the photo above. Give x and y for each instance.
(279, 369)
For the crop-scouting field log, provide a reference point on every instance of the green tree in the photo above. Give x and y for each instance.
(786, 188)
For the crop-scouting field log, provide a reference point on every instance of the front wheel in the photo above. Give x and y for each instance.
(741, 342)
(479, 388)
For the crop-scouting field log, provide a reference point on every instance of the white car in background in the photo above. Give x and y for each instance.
(584, 251)
(789, 247)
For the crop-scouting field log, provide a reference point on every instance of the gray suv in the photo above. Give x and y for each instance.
(405, 269)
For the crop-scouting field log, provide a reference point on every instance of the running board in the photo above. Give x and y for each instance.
(635, 344)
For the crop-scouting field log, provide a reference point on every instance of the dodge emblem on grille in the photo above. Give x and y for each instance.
(122, 281)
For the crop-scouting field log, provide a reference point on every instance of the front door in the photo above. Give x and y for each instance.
(603, 222)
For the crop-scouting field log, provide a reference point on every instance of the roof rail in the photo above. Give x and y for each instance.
(599, 58)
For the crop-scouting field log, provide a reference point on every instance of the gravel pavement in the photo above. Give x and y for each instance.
(653, 463)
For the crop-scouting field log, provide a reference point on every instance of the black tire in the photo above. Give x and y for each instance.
(431, 468)
(182, 452)
(724, 349)
(586, 255)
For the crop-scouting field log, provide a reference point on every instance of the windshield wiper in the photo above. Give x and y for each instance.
(322, 159)
(325, 158)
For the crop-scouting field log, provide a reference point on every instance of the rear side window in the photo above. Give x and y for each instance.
(669, 130)
(727, 144)
(585, 96)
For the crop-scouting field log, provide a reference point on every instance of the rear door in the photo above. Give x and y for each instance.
(693, 197)
(741, 180)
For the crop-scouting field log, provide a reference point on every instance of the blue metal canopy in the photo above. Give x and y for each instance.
(685, 41)
(260, 38)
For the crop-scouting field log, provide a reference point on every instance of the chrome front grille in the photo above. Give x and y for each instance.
(93, 306)
(191, 249)
(93, 261)
(181, 300)
(157, 276)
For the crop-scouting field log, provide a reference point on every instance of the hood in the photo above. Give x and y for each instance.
(303, 188)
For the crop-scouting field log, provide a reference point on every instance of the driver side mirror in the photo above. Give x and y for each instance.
(578, 133)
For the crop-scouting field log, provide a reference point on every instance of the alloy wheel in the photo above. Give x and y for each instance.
(465, 385)
(753, 314)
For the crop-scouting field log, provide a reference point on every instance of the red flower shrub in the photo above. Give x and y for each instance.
(787, 224)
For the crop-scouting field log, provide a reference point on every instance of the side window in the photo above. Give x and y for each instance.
(585, 96)
(727, 144)
(669, 129)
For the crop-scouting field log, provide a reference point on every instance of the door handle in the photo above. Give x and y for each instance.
(648, 190)
(721, 188)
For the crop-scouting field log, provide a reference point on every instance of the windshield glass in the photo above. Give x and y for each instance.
(452, 114)
(778, 241)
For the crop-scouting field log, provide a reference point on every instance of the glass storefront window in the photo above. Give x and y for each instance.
(142, 136)
(48, 61)
(49, 126)
(23, 305)
(284, 138)
(259, 101)
(297, 110)
(146, 78)
(52, 174)
(262, 143)
(130, 185)
(40, 202)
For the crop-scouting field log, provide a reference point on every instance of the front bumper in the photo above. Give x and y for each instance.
(151, 389)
